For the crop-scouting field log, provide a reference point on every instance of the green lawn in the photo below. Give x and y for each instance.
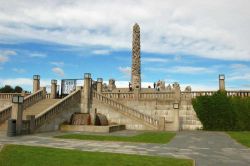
(241, 137)
(147, 137)
(19, 155)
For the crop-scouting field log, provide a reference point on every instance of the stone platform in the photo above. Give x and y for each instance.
(92, 128)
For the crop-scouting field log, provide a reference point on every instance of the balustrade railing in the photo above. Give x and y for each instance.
(48, 96)
(58, 107)
(34, 98)
(194, 94)
(142, 95)
(8, 96)
(125, 109)
(5, 113)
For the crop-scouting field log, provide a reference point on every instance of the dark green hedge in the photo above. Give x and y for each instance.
(220, 112)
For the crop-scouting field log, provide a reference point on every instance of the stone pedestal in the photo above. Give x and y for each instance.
(53, 94)
(36, 83)
(136, 94)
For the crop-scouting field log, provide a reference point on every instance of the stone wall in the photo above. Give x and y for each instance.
(54, 123)
(115, 116)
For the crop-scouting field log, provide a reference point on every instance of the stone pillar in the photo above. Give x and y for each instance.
(176, 125)
(99, 85)
(136, 58)
(221, 82)
(36, 83)
(87, 93)
(53, 93)
(17, 112)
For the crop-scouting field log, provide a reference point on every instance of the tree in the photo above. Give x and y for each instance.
(18, 89)
(6, 89)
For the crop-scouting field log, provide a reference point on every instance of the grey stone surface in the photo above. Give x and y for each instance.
(207, 148)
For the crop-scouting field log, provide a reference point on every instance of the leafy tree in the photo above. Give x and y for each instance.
(7, 89)
(18, 89)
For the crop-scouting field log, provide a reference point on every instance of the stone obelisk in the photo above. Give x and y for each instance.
(136, 58)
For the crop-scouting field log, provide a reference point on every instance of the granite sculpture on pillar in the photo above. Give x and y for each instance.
(136, 58)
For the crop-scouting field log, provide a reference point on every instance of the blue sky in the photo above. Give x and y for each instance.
(186, 42)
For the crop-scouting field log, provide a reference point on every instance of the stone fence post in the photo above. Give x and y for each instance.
(36, 83)
(17, 112)
(53, 94)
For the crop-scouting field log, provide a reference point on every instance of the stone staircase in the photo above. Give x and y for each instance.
(188, 118)
(29, 101)
(127, 111)
(39, 107)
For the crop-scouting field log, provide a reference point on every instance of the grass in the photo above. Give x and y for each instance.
(147, 137)
(19, 155)
(241, 137)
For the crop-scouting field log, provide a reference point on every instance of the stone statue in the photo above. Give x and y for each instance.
(188, 89)
(162, 85)
(111, 85)
(176, 86)
(169, 88)
(136, 58)
(104, 87)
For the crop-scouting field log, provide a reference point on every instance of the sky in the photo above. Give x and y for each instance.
(190, 42)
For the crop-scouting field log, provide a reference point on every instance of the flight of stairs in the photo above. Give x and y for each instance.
(39, 107)
(188, 118)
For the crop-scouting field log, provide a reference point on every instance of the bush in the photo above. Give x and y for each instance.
(220, 112)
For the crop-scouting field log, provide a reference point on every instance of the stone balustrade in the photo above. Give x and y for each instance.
(142, 95)
(8, 96)
(34, 98)
(157, 95)
(48, 96)
(194, 94)
(58, 107)
(5, 113)
(126, 110)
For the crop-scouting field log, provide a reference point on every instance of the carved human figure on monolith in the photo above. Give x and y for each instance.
(136, 58)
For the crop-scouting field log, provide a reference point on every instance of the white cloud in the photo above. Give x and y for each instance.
(211, 29)
(101, 52)
(239, 72)
(126, 71)
(4, 55)
(59, 71)
(157, 60)
(19, 71)
(182, 69)
(57, 63)
(38, 55)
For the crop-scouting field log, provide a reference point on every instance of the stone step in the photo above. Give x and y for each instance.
(39, 107)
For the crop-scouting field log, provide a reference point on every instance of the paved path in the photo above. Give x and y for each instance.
(207, 148)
